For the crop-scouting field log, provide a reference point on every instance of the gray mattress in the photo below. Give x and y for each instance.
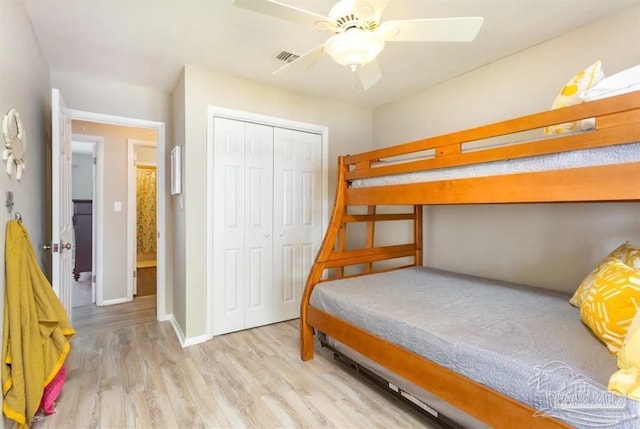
(607, 155)
(527, 343)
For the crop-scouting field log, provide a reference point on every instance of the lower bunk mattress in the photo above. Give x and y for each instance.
(527, 343)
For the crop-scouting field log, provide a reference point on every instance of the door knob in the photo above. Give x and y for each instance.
(66, 246)
(53, 248)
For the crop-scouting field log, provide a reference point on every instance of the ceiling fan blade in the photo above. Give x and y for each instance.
(284, 11)
(304, 62)
(431, 30)
(369, 74)
(370, 7)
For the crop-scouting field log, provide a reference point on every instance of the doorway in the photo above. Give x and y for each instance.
(115, 211)
(61, 204)
(113, 287)
(86, 194)
(142, 217)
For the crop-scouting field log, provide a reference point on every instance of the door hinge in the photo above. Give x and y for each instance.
(94, 160)
(135, 274)
(93, 278)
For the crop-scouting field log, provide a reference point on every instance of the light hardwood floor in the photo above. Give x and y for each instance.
(81, 290)
(93, 320)
(137, 375)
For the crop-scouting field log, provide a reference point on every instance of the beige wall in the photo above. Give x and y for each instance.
(146, 155)
(82, 177)
(114, 189)
(546, 245)
(349, 131)
(24, 85)
(179, 289)
(93, 94)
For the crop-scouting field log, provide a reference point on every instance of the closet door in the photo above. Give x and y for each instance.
(258, 196)
(228, 225)
(242, 233)
(297, 213)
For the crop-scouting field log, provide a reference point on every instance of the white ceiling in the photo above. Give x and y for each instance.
(147, 42)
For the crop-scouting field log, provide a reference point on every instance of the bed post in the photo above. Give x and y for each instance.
(318, 267)
(371, 237)
(418, 233)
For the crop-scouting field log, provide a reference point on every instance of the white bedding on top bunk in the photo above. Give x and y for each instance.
(527, 343)
(617, 154)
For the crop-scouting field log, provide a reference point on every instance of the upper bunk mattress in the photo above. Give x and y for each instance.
(527, 343)
(616, 154)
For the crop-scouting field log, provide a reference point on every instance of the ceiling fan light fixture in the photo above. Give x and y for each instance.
(354, 48)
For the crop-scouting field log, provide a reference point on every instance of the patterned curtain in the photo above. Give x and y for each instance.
(146, 209)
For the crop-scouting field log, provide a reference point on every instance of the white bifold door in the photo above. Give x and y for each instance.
(267, 216)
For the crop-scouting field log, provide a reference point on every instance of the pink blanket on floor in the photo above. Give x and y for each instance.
(52, 390)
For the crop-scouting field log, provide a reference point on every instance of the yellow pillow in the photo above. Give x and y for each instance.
(581, 293)
(611, 303)
(569, 96)
(626, 381)
(625, 253)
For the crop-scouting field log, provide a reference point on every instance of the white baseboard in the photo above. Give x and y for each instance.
(165, 318)
(115, 301)
(176, 327)
(186, 342)
(196, 340)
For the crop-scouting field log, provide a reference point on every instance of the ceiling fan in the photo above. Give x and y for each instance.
(359, 35)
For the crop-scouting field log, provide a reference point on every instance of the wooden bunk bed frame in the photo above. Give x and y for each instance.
(617, 122)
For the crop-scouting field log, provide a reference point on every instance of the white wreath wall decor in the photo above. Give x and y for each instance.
(15, 143)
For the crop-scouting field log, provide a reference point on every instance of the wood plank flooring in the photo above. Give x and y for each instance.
(93, 320)
(136, 375)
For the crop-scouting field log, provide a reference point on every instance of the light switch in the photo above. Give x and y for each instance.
(117, 206)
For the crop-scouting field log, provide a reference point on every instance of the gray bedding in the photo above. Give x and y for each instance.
(607, 155)
(525, 342)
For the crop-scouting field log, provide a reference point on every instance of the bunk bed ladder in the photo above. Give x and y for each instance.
(334, 260)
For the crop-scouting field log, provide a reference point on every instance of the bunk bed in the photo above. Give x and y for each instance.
(353, 295)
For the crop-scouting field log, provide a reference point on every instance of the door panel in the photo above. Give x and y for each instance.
(258, 224)
(307, 198)
(287, 273)
(243, 175)
(297, 215)
(228, 228)
(62, 206)
(232, 282)
(287, 193)
(309, 251)
(255, 258)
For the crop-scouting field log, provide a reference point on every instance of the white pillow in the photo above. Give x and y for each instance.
(620, 83)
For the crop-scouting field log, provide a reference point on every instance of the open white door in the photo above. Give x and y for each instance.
(132, 230)
(61, 204)
(94, 223)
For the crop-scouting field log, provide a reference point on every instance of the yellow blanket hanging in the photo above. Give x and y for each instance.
(36, 329)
